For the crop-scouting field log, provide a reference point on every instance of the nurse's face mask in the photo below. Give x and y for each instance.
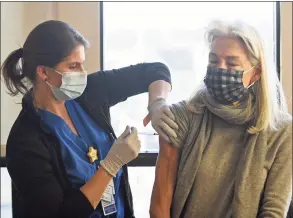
(72, 86)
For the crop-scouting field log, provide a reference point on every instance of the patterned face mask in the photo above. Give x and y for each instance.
(226, 86)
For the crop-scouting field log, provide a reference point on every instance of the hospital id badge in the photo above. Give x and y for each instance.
(108, 201)
(111, 185)
(108, 207)
(109, 192)
(107, 197)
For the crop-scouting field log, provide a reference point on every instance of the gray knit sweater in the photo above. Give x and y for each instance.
(225, 172)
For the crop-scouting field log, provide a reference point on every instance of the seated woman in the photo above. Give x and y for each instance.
(233, 153)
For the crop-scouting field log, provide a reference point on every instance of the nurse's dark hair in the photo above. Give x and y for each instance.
(46, 45)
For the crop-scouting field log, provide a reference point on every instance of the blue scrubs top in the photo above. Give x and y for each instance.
(74, 149)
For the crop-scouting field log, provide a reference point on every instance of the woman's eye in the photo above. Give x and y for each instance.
(72, 67)
(233, 64)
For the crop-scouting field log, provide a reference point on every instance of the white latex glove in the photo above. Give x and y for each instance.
(125, 149)
(162, 119)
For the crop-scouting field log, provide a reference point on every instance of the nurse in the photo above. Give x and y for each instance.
(62, 153)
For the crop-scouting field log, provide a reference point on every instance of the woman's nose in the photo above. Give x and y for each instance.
(222, 65)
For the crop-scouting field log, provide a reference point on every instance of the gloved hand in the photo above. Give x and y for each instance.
(125, 149)
(163, 120)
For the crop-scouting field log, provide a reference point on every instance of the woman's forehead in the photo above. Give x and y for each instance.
(228, 47)
(77, 55)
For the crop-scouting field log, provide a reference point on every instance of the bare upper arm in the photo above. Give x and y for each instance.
(166, 172)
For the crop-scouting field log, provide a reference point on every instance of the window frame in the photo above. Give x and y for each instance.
(148, 159)
(277, 37)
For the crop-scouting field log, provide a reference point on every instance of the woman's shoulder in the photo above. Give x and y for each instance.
(287, 122)
(284, 124)
(185, 119)
(183, 111)
(282, 134)
(286, 127)
(24, 134)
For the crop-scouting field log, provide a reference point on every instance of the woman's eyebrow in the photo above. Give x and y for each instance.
(75, 62)
(233, 58)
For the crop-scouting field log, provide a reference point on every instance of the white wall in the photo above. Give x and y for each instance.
(19, 18)
(36, 13)
(85, 17)
(11, 38)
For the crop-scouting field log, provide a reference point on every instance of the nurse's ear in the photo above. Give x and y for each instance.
(42, 73)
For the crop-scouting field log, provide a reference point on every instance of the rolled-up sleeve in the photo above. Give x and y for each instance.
(182, 118)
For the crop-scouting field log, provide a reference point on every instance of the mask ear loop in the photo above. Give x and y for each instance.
(54, 71)
(49, 84)
(247, 72)
(46, 80)
(251, 84)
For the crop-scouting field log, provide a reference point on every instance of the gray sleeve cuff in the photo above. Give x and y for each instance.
(182, 119)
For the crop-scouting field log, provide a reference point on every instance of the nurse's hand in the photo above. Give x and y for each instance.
(125, 149)
(162, 119)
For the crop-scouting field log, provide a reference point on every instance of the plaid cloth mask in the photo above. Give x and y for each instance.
(226, 86)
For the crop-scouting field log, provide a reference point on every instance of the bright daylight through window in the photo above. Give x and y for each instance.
(173, 33)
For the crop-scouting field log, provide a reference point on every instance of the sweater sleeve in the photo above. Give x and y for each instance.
(31, 171)
(278, 188)
(114, 86)
(182, 118)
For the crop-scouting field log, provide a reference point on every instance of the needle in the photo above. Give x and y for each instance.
(147, 133)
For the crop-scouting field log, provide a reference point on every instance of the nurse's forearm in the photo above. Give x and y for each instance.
(157, 89)
(166, 170)
(96, 186)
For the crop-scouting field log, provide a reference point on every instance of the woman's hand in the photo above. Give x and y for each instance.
(162, 119)
(125, 149)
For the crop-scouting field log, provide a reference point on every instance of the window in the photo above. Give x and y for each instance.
(5, 194)
(170, 32)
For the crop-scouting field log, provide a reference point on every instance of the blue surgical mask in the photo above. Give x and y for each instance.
(73, 85)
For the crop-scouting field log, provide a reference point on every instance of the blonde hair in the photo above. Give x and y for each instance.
(270, 104)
